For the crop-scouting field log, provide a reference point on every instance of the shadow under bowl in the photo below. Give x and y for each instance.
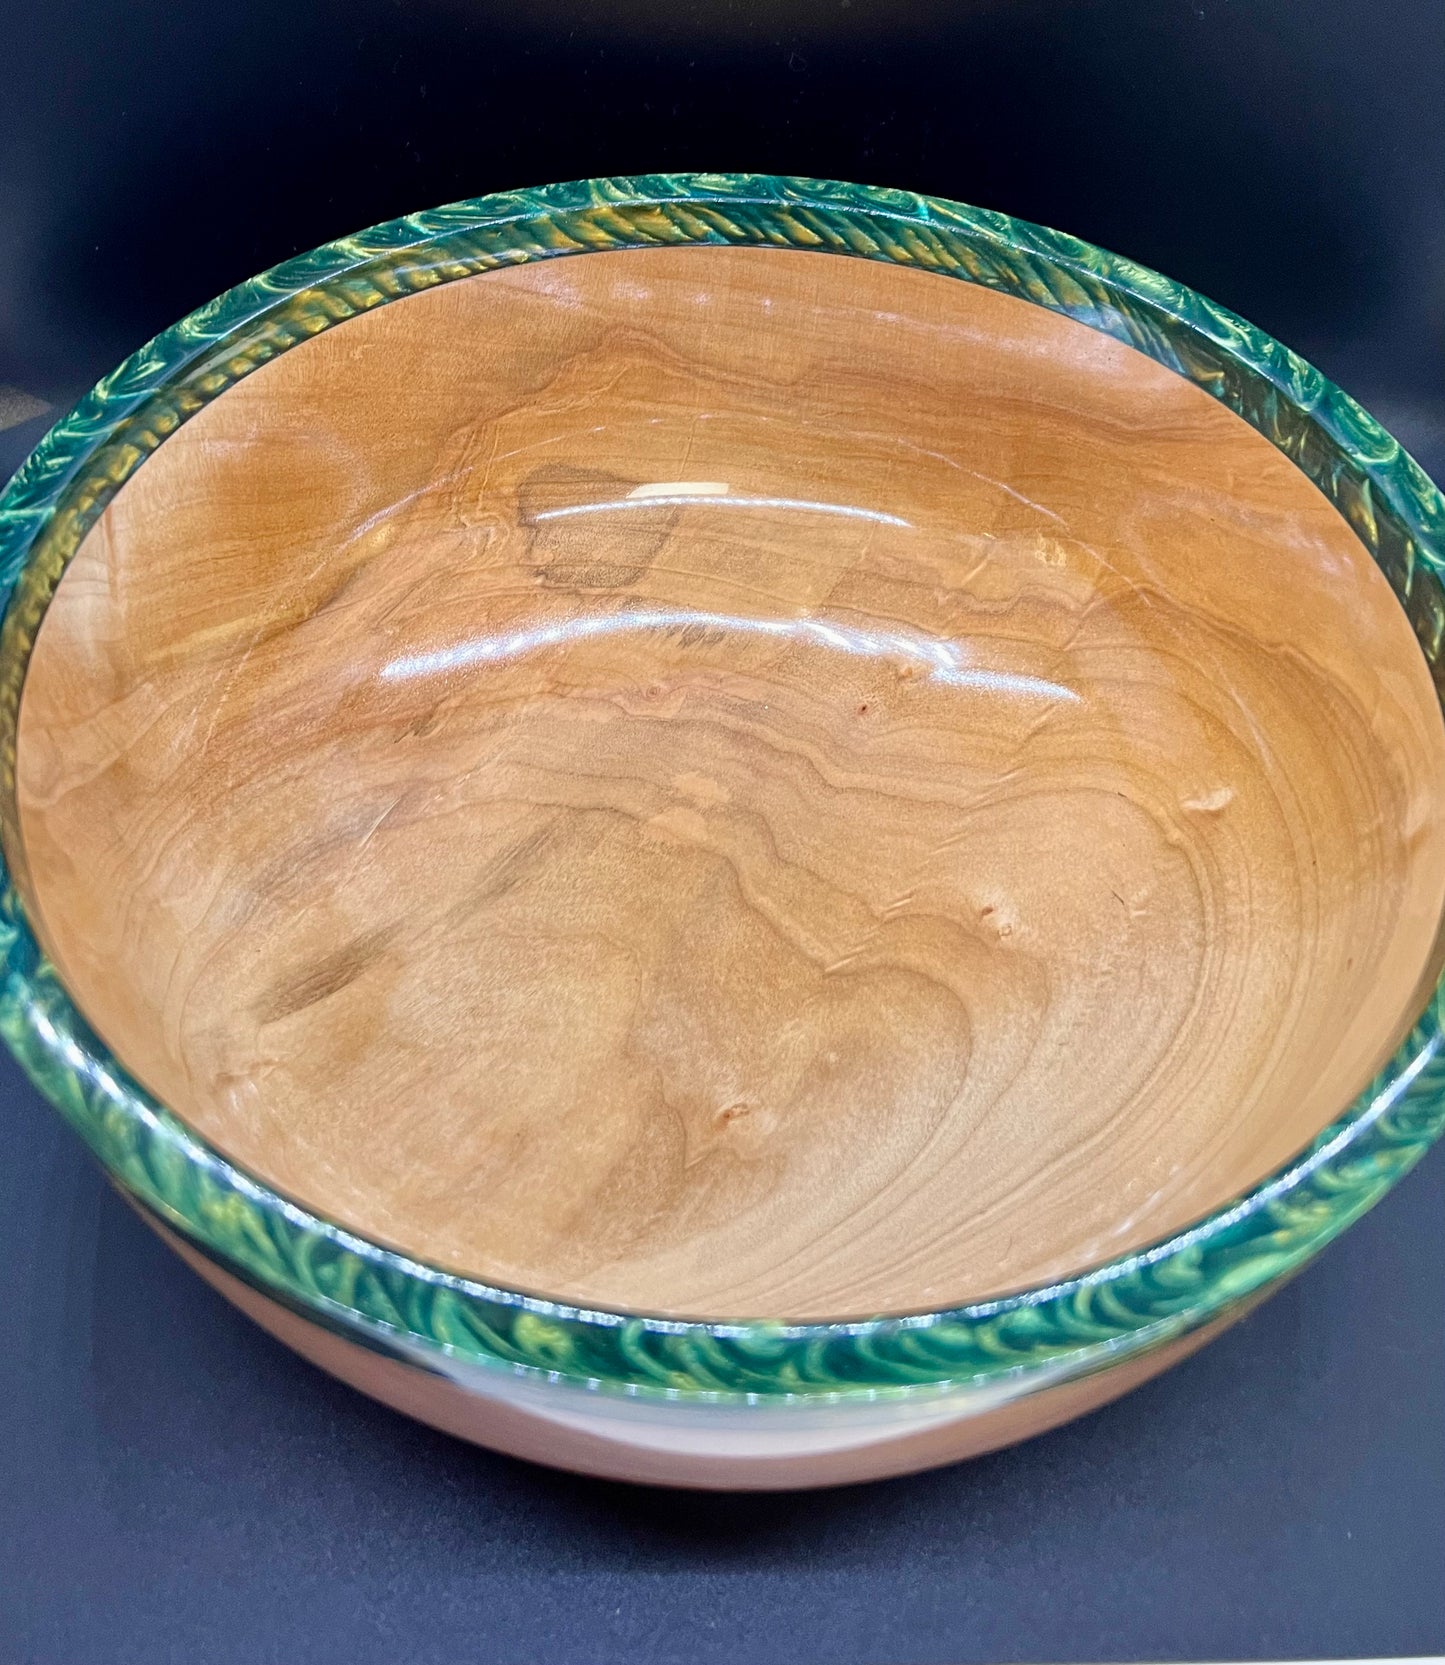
(718, 863)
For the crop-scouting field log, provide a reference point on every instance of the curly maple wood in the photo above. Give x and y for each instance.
(730, 782)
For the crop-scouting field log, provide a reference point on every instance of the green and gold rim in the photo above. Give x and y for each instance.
(433, 1317)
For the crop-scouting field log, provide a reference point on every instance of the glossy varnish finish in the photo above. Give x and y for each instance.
(735, 782)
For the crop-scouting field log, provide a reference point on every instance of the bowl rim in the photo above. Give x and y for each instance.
(448, 1323)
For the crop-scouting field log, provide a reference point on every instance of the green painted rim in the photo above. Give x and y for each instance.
(429, 1316)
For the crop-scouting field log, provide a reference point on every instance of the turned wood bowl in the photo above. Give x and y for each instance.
(727, 830)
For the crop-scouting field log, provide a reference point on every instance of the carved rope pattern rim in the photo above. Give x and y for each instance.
(428, 1316)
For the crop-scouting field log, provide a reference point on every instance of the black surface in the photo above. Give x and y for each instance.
(173, 1485)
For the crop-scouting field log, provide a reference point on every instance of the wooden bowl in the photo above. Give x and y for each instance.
(720, 864)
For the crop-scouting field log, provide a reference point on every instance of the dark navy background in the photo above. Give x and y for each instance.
(175, 1486)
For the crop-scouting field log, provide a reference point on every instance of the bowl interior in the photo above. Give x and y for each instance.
(734, 782)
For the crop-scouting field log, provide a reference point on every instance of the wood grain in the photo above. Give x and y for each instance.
(732, 782)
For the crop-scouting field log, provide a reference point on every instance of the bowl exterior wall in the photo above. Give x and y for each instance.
(767, 1446)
